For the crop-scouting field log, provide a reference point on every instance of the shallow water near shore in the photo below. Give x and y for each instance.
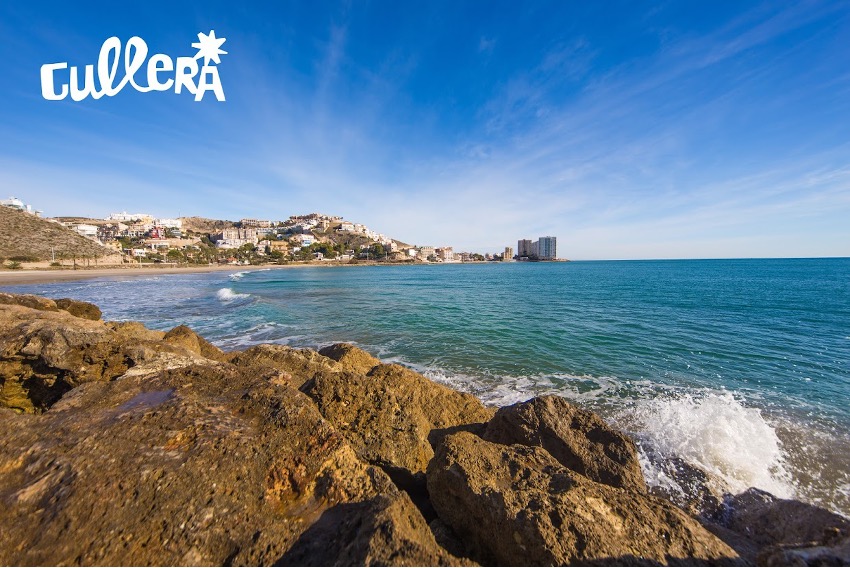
(740, 367)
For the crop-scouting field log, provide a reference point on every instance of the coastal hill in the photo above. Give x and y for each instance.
(202, 225)
(283, 456)
(26, 237)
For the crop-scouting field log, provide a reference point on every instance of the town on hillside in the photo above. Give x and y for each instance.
(142, 238)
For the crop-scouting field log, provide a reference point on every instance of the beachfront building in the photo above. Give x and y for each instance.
(509, 254)
(547, 248)
(543, 249)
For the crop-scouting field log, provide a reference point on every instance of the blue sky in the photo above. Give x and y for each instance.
(628, 130)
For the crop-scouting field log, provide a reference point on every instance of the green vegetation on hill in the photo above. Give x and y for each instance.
(25, 237)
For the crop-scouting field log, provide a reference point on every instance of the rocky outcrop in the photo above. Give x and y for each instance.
(389, 414)
(350, 358)
(580, 440)
(124, 445)
(300, 365)
(207, 464)
(783, 532)
(79, 309)
(43, 357)
(517, 505)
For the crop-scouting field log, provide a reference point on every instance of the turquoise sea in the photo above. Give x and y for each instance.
(740, 367)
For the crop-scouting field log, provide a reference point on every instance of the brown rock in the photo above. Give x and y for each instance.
(300, 364)
(833, 552)
(350, 358)
(28, 301)
(769, 521)
(44, 354)
(580, 440)
(208, 464)
(79, 309)
(516, 505)
(389, 414)
(188, 339)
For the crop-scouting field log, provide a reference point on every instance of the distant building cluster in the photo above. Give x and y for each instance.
(300, 237)
(545, 248)
(15, 203)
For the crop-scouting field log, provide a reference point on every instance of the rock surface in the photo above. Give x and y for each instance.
(350, 358)
(580, 440)
(207, 464)
(389, 414)
(517, 505)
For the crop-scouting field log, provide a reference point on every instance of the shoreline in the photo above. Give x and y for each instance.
(53, 275)
(50, 276)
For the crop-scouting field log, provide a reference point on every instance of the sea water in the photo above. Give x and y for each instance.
(739, 367)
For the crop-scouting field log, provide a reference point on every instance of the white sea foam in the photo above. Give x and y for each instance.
(711, 430)
(228, 295)
(238, 275)
(715, 432)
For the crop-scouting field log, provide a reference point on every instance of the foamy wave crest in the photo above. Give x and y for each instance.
(228, 295)
(238, 275)
(714, 432)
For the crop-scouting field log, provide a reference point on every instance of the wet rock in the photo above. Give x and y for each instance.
(691, 488)
(770, 521)
(350, 358)
(834, 550)
(79, 309)
(207, 464)
(517, 505)
(389, 414)
(580, 440)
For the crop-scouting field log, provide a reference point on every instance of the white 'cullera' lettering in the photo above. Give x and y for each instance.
(186, 71)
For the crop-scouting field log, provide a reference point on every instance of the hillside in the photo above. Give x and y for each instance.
(26, 237)
(204, 225)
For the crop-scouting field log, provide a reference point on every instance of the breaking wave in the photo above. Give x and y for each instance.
(228, 295)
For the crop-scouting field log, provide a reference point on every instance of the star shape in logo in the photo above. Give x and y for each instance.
(208, 47)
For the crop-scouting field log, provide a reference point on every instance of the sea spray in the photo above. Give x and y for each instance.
(228, 295)
(714, 432)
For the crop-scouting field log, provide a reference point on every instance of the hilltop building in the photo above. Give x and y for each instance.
(15, 203)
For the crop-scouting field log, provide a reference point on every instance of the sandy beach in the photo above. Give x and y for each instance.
(16, 277)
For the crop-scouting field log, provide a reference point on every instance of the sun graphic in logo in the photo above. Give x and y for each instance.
(209, 47)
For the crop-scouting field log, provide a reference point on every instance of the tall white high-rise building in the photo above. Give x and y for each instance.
(547, 248)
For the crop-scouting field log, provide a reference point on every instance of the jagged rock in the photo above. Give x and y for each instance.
(79, 309)
(516, 505)
(693, 489)
(833, 551)
(188, 339)
(350, 358)
(208, 464)
(44, 354)
(769, 521)
(28, 301)
(580, 440)
(389, 414)
(300, 364)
